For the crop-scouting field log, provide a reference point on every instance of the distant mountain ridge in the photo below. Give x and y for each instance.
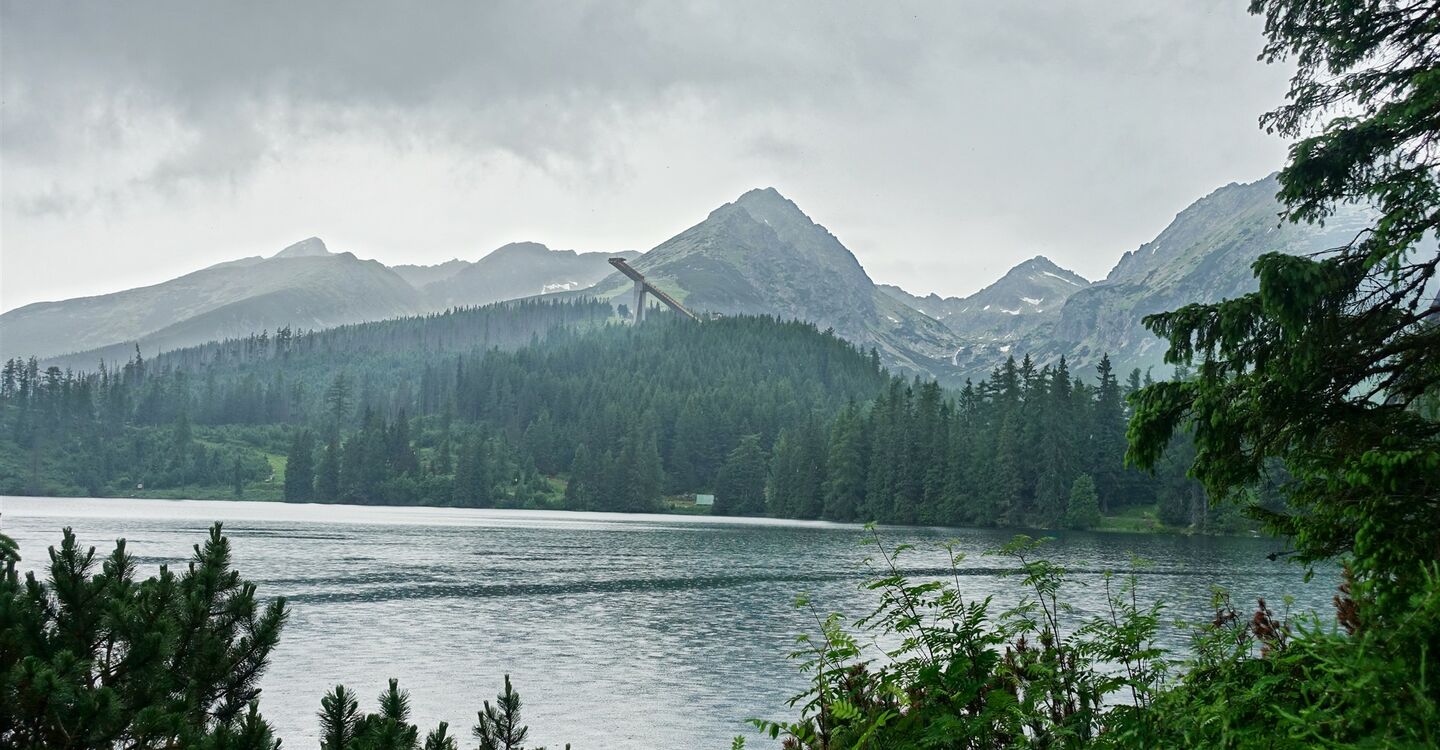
(757, 255)
(306, 289)
(305, 286)
(1203, 255)
(1028, 297)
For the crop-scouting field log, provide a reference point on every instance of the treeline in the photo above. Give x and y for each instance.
(772, 417)
(1026, 447)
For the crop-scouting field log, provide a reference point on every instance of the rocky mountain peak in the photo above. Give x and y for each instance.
(312, 247)
(1041, 268)
(763, 196)
(768, 206)
(521, 249)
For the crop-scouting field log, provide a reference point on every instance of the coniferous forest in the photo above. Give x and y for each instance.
(556, 405)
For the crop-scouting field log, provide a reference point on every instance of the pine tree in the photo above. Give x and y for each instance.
(92, 654)
(339, 719)
(441, 739)
(498, 727)
(389, 729)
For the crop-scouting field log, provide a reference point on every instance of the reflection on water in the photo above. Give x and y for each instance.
(618, 630)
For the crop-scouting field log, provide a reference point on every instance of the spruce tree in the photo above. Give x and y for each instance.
(778, 487)
(300, 468)
(327, 473)
(337, 399)
(644, 476)
(1324, 366)
(237, 477)
(797, 474)
(845, 484)
(1083, 509)
(740, 487)
(1107, 438)
(1058, 445)
(578, 491)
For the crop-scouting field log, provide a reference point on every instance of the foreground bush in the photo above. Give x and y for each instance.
(93, 659)
(962, 675)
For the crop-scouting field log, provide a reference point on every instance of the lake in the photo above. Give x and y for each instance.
(619, 631)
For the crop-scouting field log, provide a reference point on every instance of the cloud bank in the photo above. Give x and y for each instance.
(941, 142)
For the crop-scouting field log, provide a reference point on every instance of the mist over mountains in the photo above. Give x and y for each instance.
(760, 254)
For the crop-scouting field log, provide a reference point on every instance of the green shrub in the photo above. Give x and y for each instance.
(957, 674)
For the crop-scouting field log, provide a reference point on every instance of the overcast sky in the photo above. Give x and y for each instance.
(942, 142)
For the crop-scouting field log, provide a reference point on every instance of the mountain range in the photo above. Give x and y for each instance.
(1205, 254)
(759, 255)
(305, 286)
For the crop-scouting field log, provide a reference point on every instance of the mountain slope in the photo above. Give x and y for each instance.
(305, 286)
(519, 269)
(762, 255)
(1204, 255)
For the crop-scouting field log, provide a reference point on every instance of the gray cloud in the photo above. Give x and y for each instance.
(519, 75)
(915, 130)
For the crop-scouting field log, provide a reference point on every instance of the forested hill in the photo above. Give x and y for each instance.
(669, 399)
(554, 404)
(504, 325)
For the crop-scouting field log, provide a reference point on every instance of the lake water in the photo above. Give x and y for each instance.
(619, 631)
